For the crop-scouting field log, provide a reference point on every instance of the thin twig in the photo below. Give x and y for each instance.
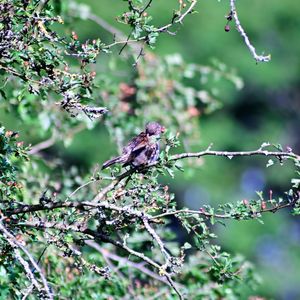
(164, 252)
(42, 145)
(141, 54)
(80, 187)
(156, 237)
(28, 291)
(113, 184)
(16, 246)
(22, 76)
(231, 154)
(258, 58)
(170, 280)
(159, 29)
(125, 261)
(190, 212)
(104, 238)
(188, 11)
(146, 7)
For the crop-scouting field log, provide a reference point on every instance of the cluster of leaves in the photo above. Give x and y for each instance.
(31, 50)
(12, 152)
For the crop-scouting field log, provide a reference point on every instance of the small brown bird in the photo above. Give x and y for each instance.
(142, 149)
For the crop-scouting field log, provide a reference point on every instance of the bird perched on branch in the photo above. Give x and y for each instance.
(142, 149)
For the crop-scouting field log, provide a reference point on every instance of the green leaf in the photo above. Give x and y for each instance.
(187, 245)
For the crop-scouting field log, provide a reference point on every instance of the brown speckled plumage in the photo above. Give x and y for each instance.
(142, 149)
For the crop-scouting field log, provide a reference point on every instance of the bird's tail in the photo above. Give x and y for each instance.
(118, 159)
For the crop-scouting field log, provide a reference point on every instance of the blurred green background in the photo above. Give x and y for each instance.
(265, 110)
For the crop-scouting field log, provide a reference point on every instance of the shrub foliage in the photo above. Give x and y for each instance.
(112, 234)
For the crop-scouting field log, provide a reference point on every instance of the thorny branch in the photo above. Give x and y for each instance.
(233, 13)
(206, 214)
(176, 20)
(156, 237)
(278, 154)
(85, 205)
(16, 246)
(230, 154)
(98, 201)
(125, 261)
(102, 238)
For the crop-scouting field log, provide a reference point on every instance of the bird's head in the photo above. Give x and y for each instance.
(154, 128)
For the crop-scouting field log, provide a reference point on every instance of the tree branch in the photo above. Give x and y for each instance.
(156, 237)
(100, 196)
(203, 213)
(125, 261)
(180, 19)
(258, 58)
(15, 245)
(159, 29)
(104, 238)
(42, 145)
(231, 154)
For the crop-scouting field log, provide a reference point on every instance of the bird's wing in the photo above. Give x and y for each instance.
(136, 144)
(146, 156)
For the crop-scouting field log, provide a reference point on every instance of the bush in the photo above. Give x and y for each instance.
(69, 233)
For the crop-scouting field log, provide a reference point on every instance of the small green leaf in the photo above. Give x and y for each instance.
(270, 163)
(187, 245)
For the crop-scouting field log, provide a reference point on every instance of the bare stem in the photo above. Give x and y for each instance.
(125, 261)
(231, 154)
(258, 58)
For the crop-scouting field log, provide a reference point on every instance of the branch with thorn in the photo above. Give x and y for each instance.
(17, 246)
(233, 14)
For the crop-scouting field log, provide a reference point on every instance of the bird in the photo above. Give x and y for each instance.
(142, 150)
